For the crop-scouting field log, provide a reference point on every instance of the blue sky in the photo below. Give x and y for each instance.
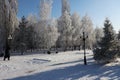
(98, 10)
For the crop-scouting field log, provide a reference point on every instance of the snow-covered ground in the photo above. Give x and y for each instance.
(62, 66)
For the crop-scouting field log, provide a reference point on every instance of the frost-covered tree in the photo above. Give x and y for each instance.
(41, 26)
(2, 21)
(87, 27)
(98, 35)
(76, 23)
(41, 32)
(52, 33)
(65, 6)
(45, 9)
(46, 28)
(66, 29)
(12, 14)
(32, 19)
(8, 19)
(107, 50)
(31, 34)
(47, 34)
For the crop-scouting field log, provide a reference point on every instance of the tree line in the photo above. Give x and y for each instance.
(43, 32)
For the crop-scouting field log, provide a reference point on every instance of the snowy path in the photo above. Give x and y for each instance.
(62, 66)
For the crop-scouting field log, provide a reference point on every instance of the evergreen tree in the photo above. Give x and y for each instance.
(30, 44)
(109, 35)
(20, 38)
(31, 34)
(23, 30)
(25, 35)
(107, 46)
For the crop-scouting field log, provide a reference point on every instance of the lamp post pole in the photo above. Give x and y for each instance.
(84, 39)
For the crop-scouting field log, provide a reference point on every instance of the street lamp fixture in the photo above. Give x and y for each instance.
(84, 40)
(9, 40)
(9, 37)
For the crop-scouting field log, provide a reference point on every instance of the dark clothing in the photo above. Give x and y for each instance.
(7, 54)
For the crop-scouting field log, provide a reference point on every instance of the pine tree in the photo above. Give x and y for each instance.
(109, 35)
(30, 44)
(20, 37)
(23, 30)
(24, 35)
(107, 46)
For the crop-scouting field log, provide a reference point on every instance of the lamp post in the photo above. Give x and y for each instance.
(84, 39)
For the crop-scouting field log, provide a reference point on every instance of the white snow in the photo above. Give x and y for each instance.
(62, 66)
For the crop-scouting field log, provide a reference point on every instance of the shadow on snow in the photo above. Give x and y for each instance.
(76, 72)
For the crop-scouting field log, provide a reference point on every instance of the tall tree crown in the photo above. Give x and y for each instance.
(65, 6)
(108, 30)
(45, 9)
(109, 34)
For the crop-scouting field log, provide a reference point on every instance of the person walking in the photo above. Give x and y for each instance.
(7, 53)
